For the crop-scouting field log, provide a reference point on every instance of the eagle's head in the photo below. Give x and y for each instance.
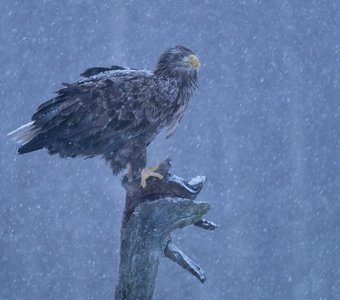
(178, 61)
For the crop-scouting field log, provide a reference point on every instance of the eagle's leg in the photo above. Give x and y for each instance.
(129, 171)
(136, 163)
(149, 172)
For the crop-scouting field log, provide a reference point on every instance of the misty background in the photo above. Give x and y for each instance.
(263, 127)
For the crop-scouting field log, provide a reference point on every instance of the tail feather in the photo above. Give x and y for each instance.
(25, 135)
(31, 146)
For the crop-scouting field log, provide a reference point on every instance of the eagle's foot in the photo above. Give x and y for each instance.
(149, 172)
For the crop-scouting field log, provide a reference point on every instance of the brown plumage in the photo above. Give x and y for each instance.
(114, 112)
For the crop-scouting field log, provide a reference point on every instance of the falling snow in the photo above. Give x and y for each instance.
(264, 129)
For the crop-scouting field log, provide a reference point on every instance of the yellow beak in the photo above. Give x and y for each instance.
(194, 61)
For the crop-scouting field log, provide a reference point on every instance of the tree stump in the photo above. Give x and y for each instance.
(150, 215)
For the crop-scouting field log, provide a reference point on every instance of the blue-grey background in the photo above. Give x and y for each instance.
(264, 128)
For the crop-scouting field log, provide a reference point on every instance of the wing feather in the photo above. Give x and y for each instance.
(103, 109)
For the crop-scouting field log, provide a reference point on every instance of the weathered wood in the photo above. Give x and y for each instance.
(176, 255)
(150, 215)
(207, 225)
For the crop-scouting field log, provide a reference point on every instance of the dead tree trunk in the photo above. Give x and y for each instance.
(150, 215)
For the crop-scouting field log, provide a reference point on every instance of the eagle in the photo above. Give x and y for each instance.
(115, 113)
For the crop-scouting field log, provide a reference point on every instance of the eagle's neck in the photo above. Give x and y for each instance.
(186, 80)
(187, 84)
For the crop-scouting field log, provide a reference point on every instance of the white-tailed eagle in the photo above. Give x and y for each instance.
(114, 112)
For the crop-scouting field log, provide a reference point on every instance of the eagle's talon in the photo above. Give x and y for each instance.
(149, 172)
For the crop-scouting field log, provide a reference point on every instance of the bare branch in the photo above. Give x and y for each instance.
(150, 215)
(176, 255)
(207, 225)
